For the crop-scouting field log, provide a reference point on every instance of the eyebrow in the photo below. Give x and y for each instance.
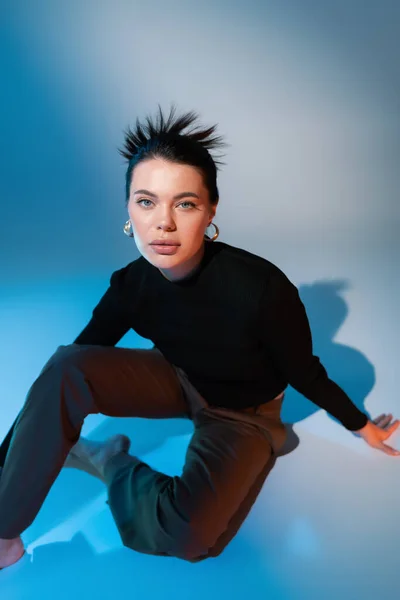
(177, 197)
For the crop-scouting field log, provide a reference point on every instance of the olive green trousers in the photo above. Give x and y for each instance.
(192, 516)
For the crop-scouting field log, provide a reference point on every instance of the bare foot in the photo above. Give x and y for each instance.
(75, 462)
(11, 551)
(91, 456)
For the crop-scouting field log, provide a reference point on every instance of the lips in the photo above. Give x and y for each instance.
(163, 243)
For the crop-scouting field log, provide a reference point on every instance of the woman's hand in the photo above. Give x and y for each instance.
(378, 430)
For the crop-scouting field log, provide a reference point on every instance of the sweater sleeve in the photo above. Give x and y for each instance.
(285, 331)
(110, 320)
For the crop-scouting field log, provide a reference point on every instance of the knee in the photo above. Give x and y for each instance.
(188, 546)
(191, 547)
(61, 384)
(194, 552)
(64, 355)
(56, 370)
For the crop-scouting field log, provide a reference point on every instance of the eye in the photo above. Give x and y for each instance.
(191, 204)
(143, 200)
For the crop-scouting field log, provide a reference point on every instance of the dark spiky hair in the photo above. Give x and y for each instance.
(166, 139)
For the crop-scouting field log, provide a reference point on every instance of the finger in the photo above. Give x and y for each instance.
(389, 450)
(384, 416)
(385, 422)
(382, 419)
(386, 434)
(377, 419)
(394, 426)
(390, 429)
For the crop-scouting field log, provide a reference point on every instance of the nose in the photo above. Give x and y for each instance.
(163, 218)
(167, 224)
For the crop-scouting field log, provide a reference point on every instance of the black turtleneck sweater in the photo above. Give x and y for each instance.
(236, 326)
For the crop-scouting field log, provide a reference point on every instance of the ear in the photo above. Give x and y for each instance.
(213, 210)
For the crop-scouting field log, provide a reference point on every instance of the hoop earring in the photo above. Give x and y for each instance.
(128, 229)
(214, 237)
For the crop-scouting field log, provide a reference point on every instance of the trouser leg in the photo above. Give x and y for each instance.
(196, 515)
(193, 516)
(77, 380)
(6, 443)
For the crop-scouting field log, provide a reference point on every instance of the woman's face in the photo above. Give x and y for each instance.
(169, 201)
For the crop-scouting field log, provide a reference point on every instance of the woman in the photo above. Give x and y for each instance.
(230, 333)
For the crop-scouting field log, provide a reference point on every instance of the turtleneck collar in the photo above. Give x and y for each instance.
(209, 251)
